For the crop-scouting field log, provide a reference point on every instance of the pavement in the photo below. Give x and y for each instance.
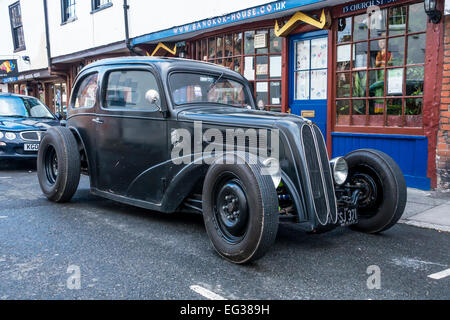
(121, 252)
(428, 209)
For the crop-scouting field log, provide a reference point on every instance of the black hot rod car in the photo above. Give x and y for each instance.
(162, 134)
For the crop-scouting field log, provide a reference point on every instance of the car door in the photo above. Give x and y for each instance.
(131, 135)
(83, 105)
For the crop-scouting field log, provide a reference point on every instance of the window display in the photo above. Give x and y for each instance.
(382, 84)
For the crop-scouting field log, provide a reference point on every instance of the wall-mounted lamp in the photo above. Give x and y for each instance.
(26, 58)
(434, 15)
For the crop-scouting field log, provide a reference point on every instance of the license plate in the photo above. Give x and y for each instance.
(31, 147)
(347, 216)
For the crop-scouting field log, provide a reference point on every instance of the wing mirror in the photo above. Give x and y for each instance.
(59, 116)
(152, 96)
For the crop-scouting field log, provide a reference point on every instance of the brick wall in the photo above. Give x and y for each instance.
(443, 146)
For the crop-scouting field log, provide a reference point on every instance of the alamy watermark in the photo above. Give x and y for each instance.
(227, 146)
(374, 280)
(74, 280)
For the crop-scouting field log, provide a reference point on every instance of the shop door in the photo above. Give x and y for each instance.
(309, 77)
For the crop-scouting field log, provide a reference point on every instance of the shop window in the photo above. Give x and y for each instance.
(380, 68)
(256, 54)
(15, 16)
(67, 10)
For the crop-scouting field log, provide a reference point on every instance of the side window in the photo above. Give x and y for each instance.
(132, 90)
(87, 92)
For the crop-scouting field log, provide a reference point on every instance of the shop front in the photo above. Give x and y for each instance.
(368, 73)
(386, 77)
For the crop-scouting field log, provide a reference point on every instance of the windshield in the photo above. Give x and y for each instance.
(24, 107)
(188, 88)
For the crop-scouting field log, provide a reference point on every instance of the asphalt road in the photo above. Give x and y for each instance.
(129, 253)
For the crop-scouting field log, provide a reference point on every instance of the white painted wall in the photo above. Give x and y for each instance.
(34, 33)
(91, 30)
(107, 26)
(151, 16)
(88, 31)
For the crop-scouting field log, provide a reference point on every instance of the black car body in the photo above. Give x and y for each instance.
(126, 144)
(23, 120)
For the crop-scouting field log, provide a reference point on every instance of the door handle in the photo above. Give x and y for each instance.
(98, 121)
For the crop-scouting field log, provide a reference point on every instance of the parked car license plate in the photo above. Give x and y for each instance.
(31, 147)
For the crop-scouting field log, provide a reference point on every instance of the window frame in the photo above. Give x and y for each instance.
(242, 55)
(367, 128)
(77, 89)
(104, 88)
(64, 6)
(100, 7)
(17, 46)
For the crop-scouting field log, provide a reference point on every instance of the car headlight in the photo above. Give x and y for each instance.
(340, 170)
(1, 135)
(10, 135)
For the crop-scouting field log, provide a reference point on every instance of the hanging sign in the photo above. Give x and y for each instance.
(8, 68)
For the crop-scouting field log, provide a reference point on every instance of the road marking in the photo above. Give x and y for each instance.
(3, 217)
(440, 275)
(206, 293)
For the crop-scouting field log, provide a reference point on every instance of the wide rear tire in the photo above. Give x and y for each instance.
(58, 164)
(240, 188)
(383, 203)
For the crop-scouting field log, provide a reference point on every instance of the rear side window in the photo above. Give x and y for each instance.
(130, 90)
(87, 92)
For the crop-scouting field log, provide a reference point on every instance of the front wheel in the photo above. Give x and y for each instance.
(58, 164)
(383, 199)
(240, 210)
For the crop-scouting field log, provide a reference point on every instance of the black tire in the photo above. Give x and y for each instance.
(384, 204)
(256, 228)
(59, 148)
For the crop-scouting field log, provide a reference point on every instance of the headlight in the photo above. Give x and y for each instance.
(272, 168)
(340, 170)
(10, 135)
(1, 134)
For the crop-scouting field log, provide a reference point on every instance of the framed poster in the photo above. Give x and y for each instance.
(260, 40)
(395, 81)
(302, 85)
(319, 53)
(303, 54)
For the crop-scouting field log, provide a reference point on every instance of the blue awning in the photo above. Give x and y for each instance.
(184, 31)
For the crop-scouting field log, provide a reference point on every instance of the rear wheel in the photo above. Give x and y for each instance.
(58, 164)
(383, 199)
(240, 210)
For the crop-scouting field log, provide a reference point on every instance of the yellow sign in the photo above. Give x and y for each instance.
(163, 46)
(323, 23)
(308, 114)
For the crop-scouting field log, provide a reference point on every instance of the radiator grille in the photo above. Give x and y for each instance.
(319, 174)
(315, 175)
(327, 174)
(31, 136)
